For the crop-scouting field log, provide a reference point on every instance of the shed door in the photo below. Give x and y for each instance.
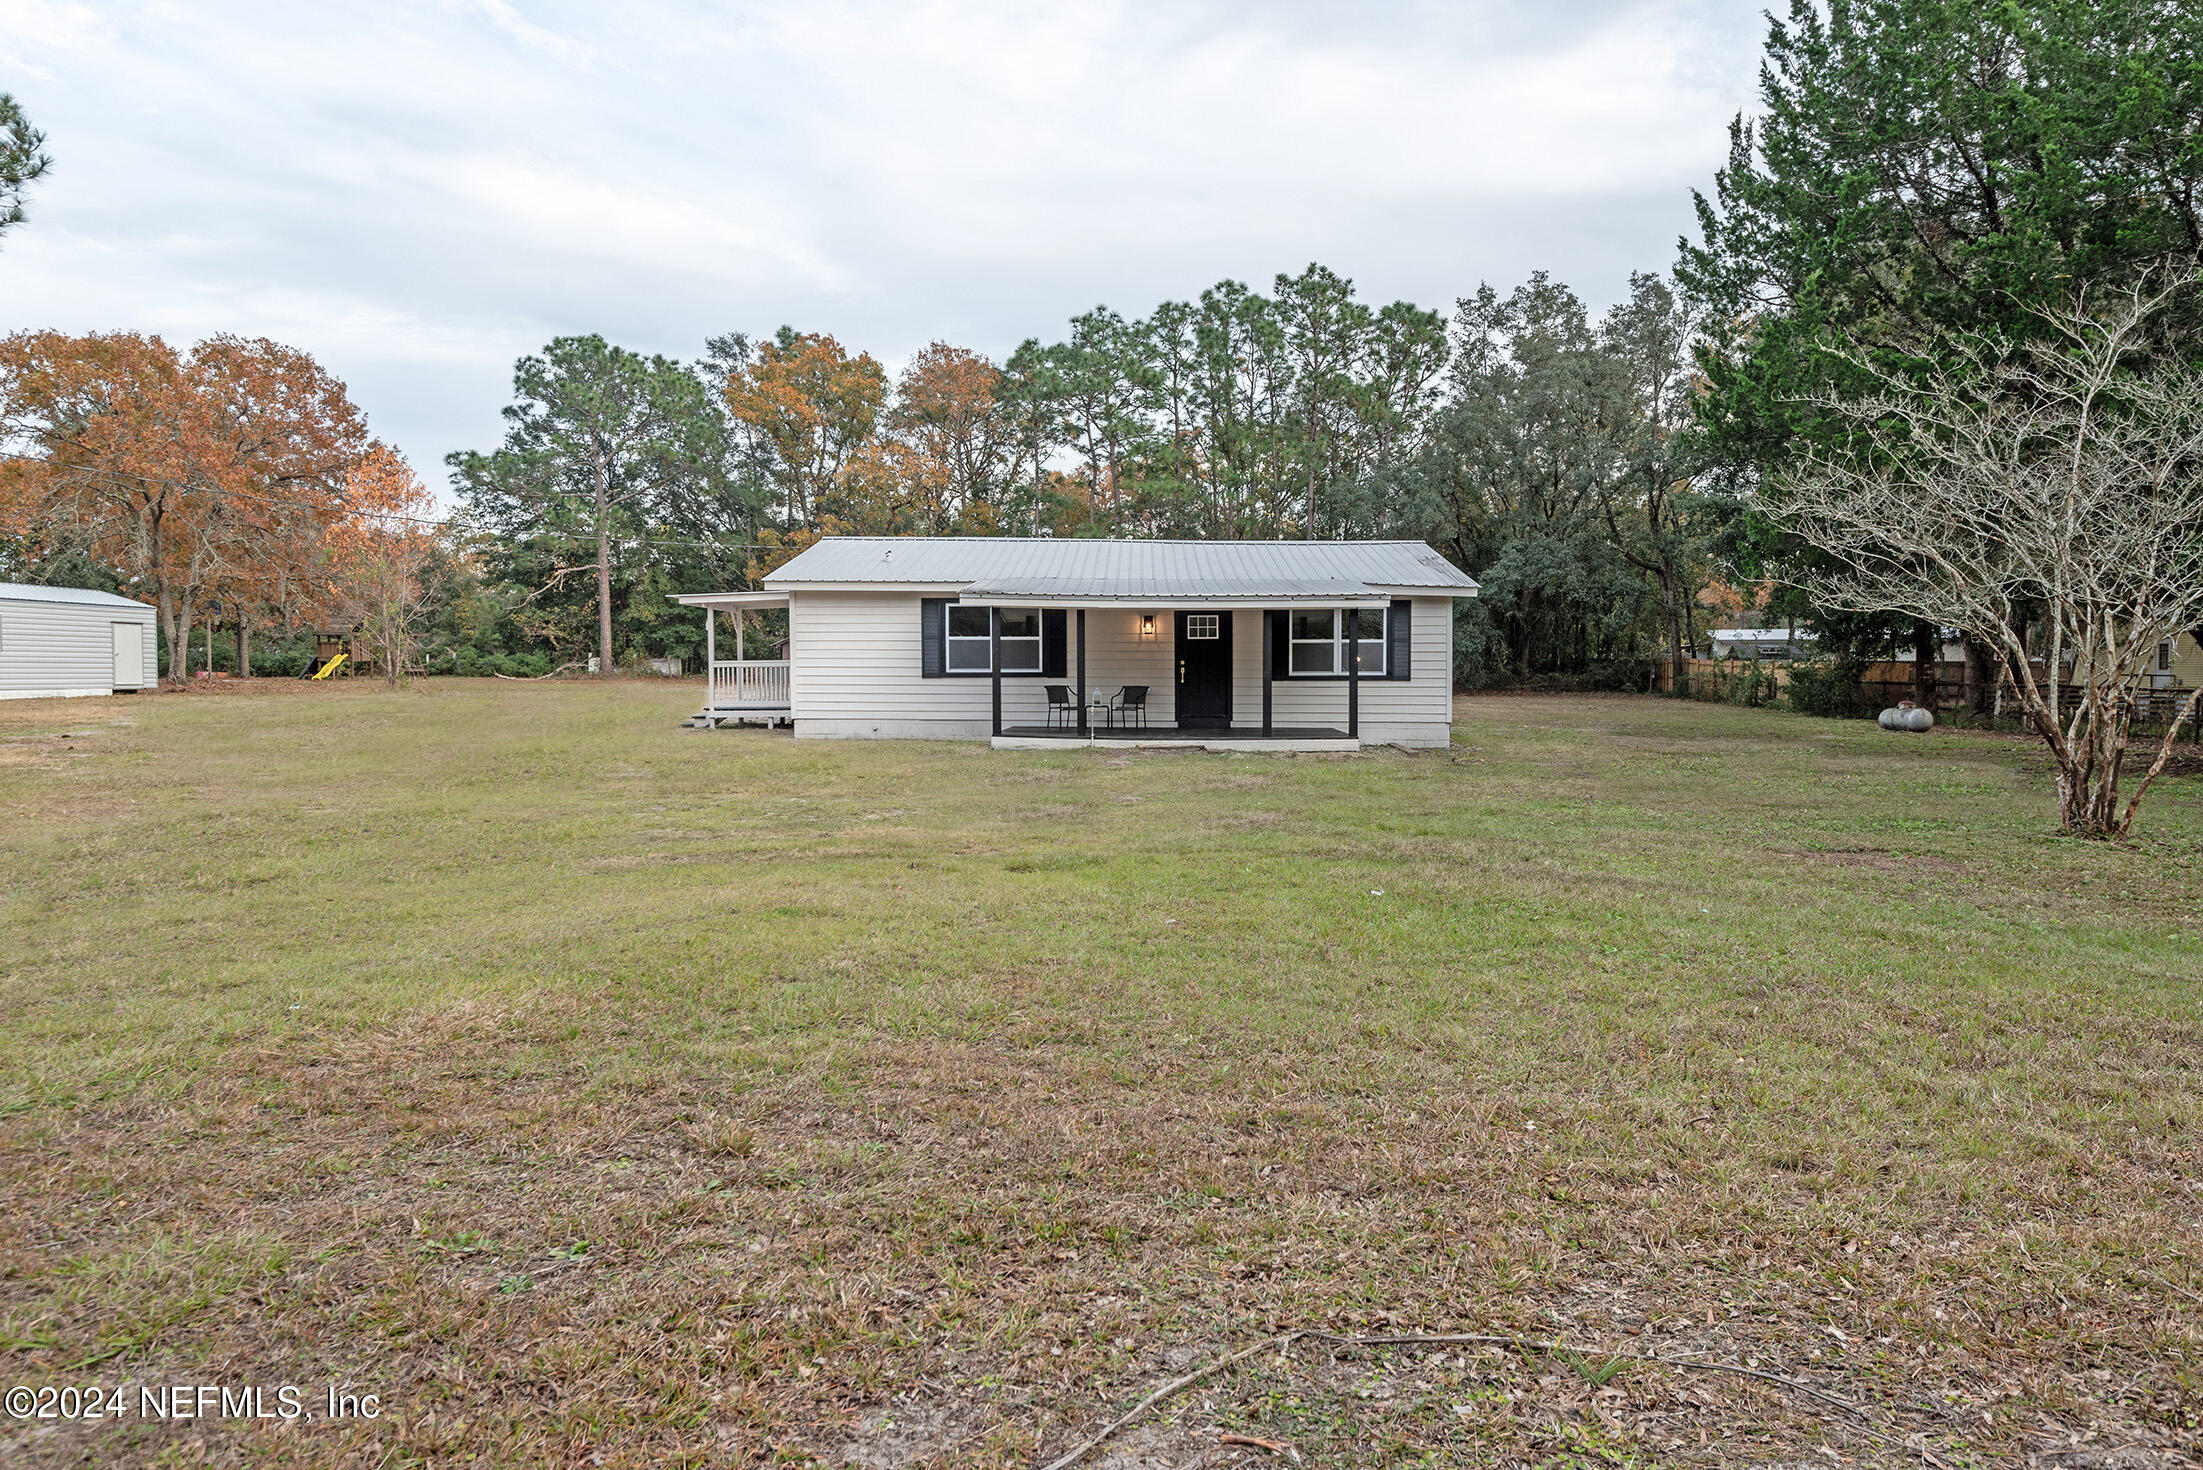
(129, 654)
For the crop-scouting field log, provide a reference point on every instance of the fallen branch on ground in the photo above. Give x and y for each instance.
(531, 678)
(2176, 1286)
(1274, 1446)
(1073, 1456)
(1284, 1340)
(1521, 1344)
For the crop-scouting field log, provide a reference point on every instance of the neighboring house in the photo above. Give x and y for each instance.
(1951, 649)
(1235, 644)
(2179, 663)
(1761, 643)
(58, 642)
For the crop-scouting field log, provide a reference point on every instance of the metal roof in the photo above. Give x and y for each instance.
(25, 592)
(1066, 569)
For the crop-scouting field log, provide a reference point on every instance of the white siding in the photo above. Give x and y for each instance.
(61, 649)
(1415, 711)
(857, 672)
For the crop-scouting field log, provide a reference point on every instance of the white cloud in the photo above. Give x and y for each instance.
(624, 225)
(420, 190)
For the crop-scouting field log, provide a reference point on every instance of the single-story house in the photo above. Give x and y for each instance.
(1031, 642)
(1761, 643)
(59, 642)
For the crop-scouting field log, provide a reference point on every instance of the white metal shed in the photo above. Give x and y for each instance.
(59, 642)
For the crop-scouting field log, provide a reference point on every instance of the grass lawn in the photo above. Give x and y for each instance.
(598, 1092)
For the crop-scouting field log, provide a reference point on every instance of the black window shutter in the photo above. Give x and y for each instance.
(933, 614)
(1053, 643)
(1281, 651)
(1399, 635)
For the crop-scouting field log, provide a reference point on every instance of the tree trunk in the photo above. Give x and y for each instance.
(1980, 676)
(165, 615)
(180, 654)
(1927, 648)
(175, 618)
(604, 577)
(1673, 604)
(2088, 772)
(244, 649)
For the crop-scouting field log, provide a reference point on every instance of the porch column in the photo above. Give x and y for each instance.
(1353, 673)
(1083, 726)
(711, 648)
(1269, 633)
(740, 617)
(994, 661)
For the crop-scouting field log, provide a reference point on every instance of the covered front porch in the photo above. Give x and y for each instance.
(1203, 674)
(741, 690)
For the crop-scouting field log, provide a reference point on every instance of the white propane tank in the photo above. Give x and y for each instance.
(1907, 716)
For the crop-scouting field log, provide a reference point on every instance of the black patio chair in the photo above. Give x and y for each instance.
(1061, 703)
(1131, 700)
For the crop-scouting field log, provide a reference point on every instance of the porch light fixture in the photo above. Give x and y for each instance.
(1147, 625)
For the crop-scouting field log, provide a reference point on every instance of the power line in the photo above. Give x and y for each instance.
(116, 476)
(447, 524)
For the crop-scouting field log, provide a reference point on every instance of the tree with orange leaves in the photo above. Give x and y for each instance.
(960, 444)
(378, 555)
(203, 475)
(807, 408)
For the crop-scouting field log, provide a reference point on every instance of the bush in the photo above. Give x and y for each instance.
(1621, 675)
(1479, 653)
(1829, 688)
(1755, 686)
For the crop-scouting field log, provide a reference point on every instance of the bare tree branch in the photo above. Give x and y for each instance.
(2055, 482)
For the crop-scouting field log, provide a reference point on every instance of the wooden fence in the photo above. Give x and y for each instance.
(1882, 685)
(1717, 673)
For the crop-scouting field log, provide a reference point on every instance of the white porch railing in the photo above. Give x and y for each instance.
(749, 684)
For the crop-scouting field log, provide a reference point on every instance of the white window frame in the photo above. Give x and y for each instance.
(981, 644)
(1370, 668)
(1206, 627)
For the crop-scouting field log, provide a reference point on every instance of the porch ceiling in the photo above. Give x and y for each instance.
(730, 601)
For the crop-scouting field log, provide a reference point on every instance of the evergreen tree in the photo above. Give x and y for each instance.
(1924, 167)
(605, 447)
(22, 159)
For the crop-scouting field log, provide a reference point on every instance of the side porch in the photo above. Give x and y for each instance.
(741, 690)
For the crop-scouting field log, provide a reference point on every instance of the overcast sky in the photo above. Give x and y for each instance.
(419, 192)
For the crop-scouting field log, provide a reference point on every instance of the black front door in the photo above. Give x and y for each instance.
(1205, 670)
